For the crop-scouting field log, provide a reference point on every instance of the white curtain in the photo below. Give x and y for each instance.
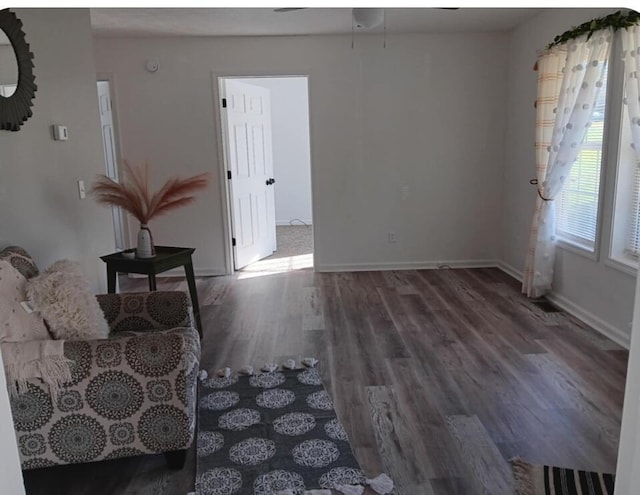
(631, 57)
(569, 81)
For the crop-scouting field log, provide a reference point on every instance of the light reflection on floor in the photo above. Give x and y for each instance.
(276, 265)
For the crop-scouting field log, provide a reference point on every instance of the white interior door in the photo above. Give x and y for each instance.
(248, 151)
(109, 146)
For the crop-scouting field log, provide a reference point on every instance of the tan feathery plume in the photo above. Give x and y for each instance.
(134, 194)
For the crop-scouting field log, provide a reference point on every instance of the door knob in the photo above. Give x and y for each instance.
(270, 181)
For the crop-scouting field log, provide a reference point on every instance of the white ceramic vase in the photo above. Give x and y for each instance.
(145, 249)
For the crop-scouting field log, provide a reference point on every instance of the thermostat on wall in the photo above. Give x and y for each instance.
(60, 132)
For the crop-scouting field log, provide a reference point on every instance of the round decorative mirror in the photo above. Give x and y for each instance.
(17, 82)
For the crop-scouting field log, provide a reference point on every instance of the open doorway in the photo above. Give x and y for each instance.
(110, 157)
(265, 122)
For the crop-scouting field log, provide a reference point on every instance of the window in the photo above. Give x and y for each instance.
(633, 239)
(625, 239)
(577, 204)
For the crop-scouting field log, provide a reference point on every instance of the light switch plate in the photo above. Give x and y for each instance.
(81, 191)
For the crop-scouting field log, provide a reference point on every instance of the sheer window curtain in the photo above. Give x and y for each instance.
(569, 80)
(631, 57)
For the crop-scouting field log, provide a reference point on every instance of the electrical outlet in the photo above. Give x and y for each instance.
(391, 236)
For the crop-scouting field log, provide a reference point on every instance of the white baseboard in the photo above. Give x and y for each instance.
(286, 222)
(510, 270)
(617, 335)
(179, 272)
(405, 265)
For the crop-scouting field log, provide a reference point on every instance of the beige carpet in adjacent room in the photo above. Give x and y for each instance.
(293, 240)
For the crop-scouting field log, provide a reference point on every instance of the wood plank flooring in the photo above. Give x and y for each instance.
(439, 376)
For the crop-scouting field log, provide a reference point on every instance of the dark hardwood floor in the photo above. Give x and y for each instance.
(439, 376)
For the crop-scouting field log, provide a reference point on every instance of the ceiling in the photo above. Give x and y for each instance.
(265, 22)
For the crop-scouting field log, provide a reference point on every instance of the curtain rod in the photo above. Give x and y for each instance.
(616, 21)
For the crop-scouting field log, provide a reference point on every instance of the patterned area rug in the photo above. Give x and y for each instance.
(268, 433)
(534, 479)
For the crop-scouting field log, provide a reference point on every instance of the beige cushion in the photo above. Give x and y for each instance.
(16, 325)
(64, 298)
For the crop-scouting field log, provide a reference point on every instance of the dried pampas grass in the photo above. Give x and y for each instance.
(134, 194)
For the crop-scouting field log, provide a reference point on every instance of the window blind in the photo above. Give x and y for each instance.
(633, 239)
(577, 204)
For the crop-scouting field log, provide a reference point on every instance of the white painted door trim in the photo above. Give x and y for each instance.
(10, 469)
(109, 143)
(111, 79)
(225, 206)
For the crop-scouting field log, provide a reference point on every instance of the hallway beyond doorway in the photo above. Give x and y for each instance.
(293, 240)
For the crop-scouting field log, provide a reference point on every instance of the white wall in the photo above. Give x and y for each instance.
(10, 471)
(39, 205)
(597, 292)
(628, 469)
(291, 153)
(381, 119)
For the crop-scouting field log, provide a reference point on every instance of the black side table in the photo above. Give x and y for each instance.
(166, 258)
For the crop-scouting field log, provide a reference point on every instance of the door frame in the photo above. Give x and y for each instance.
(217, 79)
(111, 79)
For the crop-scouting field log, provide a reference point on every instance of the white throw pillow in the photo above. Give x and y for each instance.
(64, 299)
(16, 323)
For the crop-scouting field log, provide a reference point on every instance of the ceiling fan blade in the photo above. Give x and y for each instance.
(288, 9)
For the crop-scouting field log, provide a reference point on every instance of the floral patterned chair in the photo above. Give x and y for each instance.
(130, 394)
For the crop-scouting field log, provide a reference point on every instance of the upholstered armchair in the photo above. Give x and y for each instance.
(130, 394)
